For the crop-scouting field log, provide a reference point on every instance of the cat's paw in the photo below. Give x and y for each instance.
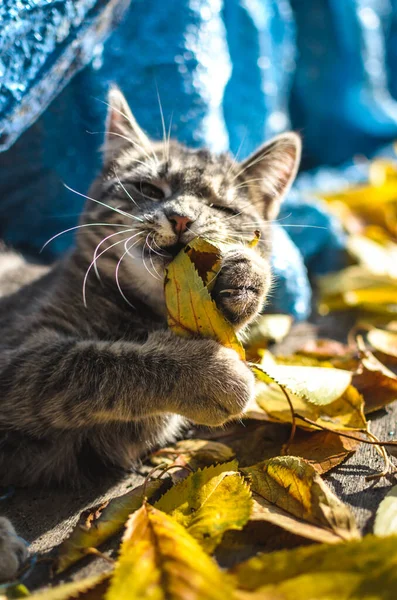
(221, 385)
(241, 286)
(13, 551)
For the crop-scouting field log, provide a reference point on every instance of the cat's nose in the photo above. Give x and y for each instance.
(180, 223)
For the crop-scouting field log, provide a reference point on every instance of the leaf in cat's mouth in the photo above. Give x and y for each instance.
(174, 249)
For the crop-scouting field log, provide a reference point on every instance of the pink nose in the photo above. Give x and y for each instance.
(179, 223)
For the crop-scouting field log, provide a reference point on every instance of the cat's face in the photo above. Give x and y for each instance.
(156, 197)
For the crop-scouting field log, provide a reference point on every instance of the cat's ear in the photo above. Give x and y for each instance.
(122, 130)
(273, 168)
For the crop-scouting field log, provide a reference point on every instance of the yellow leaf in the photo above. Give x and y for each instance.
(348, 571)
(194, 453)
(294, 486)
(316, 385)
(159, 560)
(386, 515)
(383, 341)
(92, 588)
(90, 533)
(190, 308)
(209, 502)
(344, 414)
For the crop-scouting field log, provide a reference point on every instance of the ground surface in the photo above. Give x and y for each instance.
(45, 517)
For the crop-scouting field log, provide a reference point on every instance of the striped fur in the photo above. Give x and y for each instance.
(90, 376)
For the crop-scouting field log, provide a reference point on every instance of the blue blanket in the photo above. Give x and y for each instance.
(231, 73)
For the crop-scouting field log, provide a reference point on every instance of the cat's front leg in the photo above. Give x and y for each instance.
(242, 285)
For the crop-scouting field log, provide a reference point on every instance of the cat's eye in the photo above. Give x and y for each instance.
(149, 190)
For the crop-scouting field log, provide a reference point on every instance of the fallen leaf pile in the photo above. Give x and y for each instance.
(253, 496)
(369, 216)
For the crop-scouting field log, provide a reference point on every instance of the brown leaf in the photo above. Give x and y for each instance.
(375, 382)
(91, 532)
(323, 450)
(194, 453)
(295, 487)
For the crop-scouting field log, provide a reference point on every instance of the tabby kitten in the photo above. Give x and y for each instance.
(90, 376)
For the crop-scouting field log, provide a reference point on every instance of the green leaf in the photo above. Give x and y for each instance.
(159, 560)
(90, 533)
(356, 570)
(386, 515)
(294, 486)
(209, 502)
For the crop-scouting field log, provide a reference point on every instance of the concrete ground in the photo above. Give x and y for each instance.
(46, 517)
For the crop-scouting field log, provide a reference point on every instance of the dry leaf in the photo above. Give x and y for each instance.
(317, 385)
(92, 533)
(190, 308)
(384, 341)
(375, 382)
(265, 511)
(159, 560)
(322, 449)
(348, 571)
(345, 414)
(194, 453)
(386, 515)
(323, 349)
(294, 486)
(209, 502)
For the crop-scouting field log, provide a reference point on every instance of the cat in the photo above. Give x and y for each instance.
(90, 376)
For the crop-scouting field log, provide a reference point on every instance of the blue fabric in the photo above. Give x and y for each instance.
(230, 73)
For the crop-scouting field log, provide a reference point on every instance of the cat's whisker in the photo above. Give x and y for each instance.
(155, 243)
(159, 247)
(100, 244)
(248, 182)
(290, 225)
(144, 263)
(235, 158)
(126, 192)
(121, 212)
(166, 150)
(127, 251)
(253, 162)
(169, 137)
(90, 267)
(84, 225)
(150, 256)
(133, 125)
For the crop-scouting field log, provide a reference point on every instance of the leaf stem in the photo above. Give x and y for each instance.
(351, 437)
(293, 419)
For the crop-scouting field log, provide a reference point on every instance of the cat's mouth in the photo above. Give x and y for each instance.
(173, 250)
